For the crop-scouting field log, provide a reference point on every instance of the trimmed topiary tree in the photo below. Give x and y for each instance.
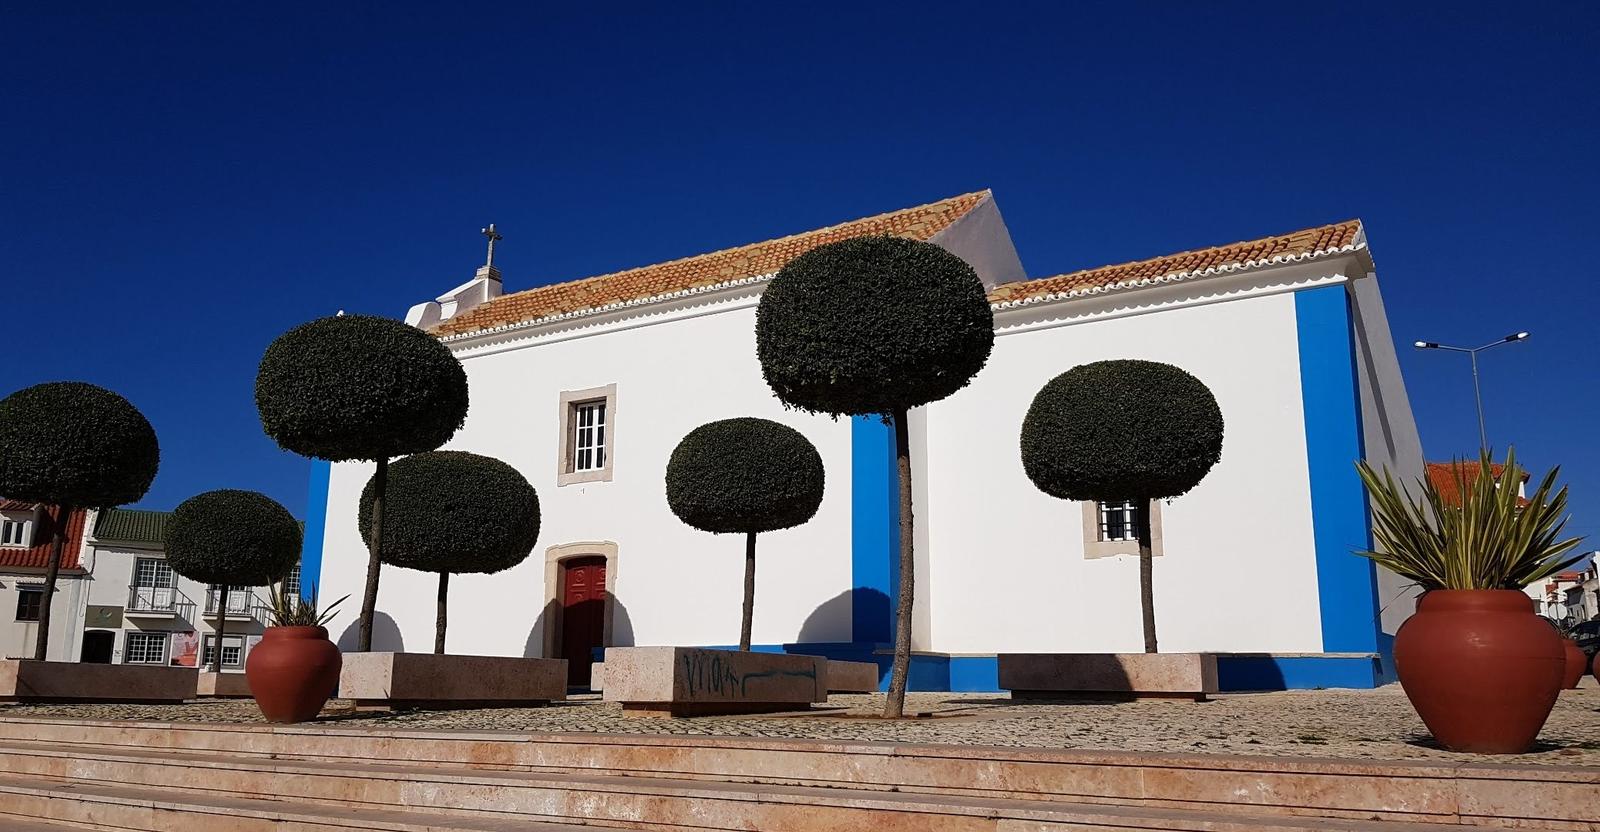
(748, 476)
(876, 326)
(361, 387)
(1124, 430)
(453, 512)
(230, 537)
(73, 446)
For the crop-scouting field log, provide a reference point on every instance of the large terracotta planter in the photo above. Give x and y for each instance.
(1481, 669)
(292, 672)
(1577, 664)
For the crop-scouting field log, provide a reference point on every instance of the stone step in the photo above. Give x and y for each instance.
(1529, 796)
(613, 801)
(43, 804)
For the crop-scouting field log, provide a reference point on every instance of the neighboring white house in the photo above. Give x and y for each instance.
(25, 534)
(587, 386)
(119, 602)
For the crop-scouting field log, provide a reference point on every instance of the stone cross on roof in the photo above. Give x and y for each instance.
(494, 236)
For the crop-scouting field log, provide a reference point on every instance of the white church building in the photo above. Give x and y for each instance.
(586, 387)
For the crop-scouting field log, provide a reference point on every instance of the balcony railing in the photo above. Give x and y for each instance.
(158, 600)
(242, 603)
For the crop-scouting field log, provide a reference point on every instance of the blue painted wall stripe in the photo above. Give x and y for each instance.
(874, 530)
(316, 524)
(1346, 584)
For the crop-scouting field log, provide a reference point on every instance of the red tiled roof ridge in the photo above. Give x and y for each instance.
(1291, 246)
(483, 317)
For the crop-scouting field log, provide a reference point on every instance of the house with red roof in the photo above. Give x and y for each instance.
(587, 384)
(26, 532)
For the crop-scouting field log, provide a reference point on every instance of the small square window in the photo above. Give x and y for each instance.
(16, 529)
(28, 601)
(232, 651)
(145, 648)
(1111, 529)
(588, 421)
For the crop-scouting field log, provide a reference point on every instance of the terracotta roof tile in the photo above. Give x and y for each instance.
(752, 260)
(1443, 476)
(1292, 245)
(38, 555)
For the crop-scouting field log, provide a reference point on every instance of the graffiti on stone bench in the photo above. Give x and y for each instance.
(711, 673)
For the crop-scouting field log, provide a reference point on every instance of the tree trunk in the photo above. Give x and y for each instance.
(369, 598)
(749, 590)
(1147, 595)
(895, 706)
(439, 621)
(58, 542)
(222, 627)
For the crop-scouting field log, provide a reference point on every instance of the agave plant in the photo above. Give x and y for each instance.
(1490, 539)
(290, 610)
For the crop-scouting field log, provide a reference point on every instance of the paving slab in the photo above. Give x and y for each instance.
(1352, 724)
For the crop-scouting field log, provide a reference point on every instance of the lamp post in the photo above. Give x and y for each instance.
(1477, 391)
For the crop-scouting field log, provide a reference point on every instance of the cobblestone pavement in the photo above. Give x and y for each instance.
(1332, 723)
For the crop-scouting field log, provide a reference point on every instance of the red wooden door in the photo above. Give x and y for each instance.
(583, 615)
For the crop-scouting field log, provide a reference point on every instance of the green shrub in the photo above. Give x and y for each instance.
(72, 445)
(360, 387)
(453, 511)
(744, 475)
(232, 537)
(75, 444)
(1121, 430)
(872, 325)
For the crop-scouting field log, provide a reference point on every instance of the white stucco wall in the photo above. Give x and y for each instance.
(1008, 571)
(17, 637)
(675, 368)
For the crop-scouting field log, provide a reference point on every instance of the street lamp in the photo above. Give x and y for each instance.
(1477, 391)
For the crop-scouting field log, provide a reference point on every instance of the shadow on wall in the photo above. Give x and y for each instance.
(621, 628)
(385, 635)
(836, 619)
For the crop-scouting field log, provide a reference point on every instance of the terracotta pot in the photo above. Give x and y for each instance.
(1481, 669)
(1577, 664)
(292, 672)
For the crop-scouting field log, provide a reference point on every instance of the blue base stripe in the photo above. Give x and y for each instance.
(981, 674)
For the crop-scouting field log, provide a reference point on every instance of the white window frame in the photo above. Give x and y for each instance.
(208, 642)
(165, 639)
(16, 529)
(290, 586)
(588, 437)
(1096, 547)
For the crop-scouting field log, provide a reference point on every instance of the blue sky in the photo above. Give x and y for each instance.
(180, 184)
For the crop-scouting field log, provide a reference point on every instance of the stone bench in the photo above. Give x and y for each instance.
(1109, 675)
(384, 681)
(693, 681)
(223, 686)
(26, 680)
(852, 677)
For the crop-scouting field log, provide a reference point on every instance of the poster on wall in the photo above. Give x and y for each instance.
(185, 648)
